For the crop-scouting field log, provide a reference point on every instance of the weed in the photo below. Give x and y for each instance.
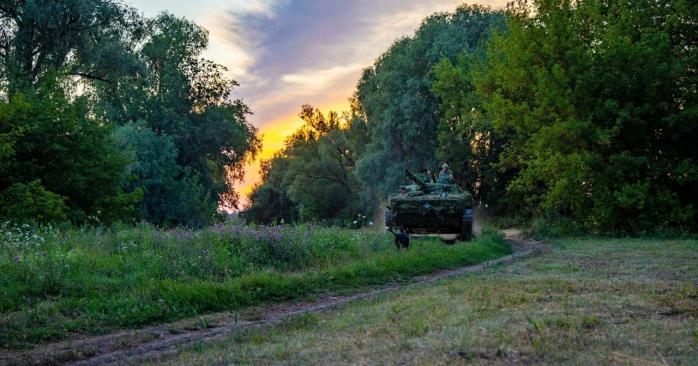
(628, 301)
(92, 280)
(300, 322)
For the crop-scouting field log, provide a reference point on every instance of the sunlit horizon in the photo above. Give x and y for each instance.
(287, 53)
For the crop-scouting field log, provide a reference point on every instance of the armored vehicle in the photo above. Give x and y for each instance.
(430, 208)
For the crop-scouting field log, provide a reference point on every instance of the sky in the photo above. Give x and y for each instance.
(286, 53)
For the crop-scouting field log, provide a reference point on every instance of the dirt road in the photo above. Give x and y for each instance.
(165, 340)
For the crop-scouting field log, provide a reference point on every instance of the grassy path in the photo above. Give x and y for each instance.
(89, 282)
(277, 297)
(595, 301)
(280, 315)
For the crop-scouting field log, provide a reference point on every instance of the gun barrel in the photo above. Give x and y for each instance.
(423, 186)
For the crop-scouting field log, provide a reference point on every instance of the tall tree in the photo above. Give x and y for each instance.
(397, 99)
(600, 97)
(313, 177)
(88, 39)
(187, 98)
(466, 136)
(110, 66)
(57, 157)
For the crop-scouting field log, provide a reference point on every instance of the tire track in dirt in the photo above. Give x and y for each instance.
(162, 341)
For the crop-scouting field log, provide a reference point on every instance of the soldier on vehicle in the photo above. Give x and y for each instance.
(446, 175)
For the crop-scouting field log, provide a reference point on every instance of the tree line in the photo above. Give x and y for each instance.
(107, 115)
(564, 111)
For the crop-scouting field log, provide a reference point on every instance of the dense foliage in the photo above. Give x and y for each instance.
(108, 116)
(577, 111)
(597, 101)
(396, 96)
(184, 98)
(343, 170)
(582, 112)
(62, 154)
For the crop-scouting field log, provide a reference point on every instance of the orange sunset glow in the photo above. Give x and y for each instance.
(287, 53)
(273, 137)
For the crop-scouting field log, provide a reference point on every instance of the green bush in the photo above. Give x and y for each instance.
(58, 142)
(32, 203)
(548, 227)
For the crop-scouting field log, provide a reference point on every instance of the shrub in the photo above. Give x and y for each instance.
(32, 203)
(553, 226)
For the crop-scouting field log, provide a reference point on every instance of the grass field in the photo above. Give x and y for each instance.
(592, 301)
(61, 283)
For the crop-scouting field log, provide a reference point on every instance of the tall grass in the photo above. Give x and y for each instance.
(57, 282)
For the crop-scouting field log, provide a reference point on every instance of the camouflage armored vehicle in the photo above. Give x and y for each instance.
(430, 208)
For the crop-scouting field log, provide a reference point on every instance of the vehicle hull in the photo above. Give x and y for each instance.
(431, 214)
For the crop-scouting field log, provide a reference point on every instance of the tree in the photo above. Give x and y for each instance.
(269, 201)
(600, 101)
(180, 95)
(87, 39)
(466, 137)
(10, 131)
(313, 177)
(152, 167)
(32, 203)
(58, 143)
(172, 195)
(397, 100)
(81, 68)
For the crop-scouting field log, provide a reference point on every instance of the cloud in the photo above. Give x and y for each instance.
(319, 79)
(308, 51)
(232, 42)
(257, 7)
(286, 53)
(313, 52)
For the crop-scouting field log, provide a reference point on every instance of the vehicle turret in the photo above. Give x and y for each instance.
(420, 184)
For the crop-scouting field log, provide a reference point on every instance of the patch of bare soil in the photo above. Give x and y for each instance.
(165, 340)
(513, 234)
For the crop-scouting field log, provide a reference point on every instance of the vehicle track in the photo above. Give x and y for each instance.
(162, 341)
